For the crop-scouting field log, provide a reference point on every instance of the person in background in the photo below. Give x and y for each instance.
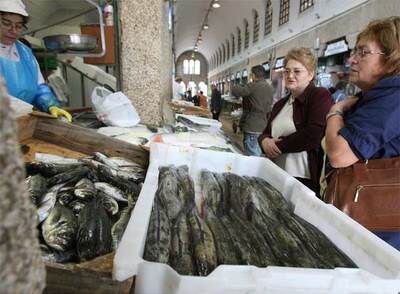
(257, 103)
(202, 100)
(216, 102)
(297, 122)
(340, 92)
(178, 91)
(189, 96)
(18, 66)
(195, 99)
(368, 126)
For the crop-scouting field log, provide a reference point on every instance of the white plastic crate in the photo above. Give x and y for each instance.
(379, 263)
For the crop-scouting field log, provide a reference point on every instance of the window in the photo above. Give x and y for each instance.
(220, 56)
(186, 67)
(284, 12)
(191, 67)
(228, 50)
(197, 67)
(305, 4)
(256, 26)
(246, 34)
(223, 54)
(268, 18)
(233, 44)
(239, 40)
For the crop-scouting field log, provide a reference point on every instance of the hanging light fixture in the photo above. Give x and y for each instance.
(216, 4)
(205, 26)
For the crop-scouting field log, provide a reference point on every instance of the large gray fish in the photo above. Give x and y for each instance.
(48, 202)
(204, 253)
(85, 189)
(37, 187)
(170, 192)
(71, 176)
(59, 229)
(49, 169)
(158, 236)
(212, 194)
(94, 231)
(181, 255)
(187, 187)
(120, 225)
(111, 191)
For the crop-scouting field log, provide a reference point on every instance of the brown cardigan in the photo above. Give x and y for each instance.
(309, 111)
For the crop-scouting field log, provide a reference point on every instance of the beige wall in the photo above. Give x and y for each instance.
(203, 68)
(146, 56)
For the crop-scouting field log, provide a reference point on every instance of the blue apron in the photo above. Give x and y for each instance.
(21, 78)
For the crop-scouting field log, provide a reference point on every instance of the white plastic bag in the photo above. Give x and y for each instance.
(114, 109)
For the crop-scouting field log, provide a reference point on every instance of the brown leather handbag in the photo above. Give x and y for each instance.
(369, 192)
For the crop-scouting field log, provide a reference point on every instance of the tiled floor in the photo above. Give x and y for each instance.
(227, 122)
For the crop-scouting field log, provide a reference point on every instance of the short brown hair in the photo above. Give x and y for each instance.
(303, 55)
(386, 32)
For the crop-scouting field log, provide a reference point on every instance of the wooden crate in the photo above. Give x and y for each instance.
(48, 135)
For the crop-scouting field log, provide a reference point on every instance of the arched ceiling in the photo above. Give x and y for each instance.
(189, 15)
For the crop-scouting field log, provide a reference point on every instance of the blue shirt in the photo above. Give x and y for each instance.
(372, 126)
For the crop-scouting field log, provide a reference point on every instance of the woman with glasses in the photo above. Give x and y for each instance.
(368, 126)
(297, 122)
(18, 66)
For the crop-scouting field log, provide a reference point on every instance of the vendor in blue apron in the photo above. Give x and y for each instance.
(18, 66)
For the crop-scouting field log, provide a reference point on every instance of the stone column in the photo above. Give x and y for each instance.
(21, 266)
(146, 62)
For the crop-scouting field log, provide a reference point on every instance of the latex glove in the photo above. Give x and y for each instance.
(56, 112)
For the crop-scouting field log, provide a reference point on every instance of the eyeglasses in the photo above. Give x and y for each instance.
(8, 25)
(362, 52)
(296, 72)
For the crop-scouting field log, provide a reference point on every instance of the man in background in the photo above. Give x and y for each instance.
(257, 104)
(216, 104)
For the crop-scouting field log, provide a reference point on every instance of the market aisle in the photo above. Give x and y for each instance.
(227, 121)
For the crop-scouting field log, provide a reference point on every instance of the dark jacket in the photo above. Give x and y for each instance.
(215, 100)
(257, 103)
(309, 111)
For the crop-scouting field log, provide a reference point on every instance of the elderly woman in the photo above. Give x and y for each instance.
(297, 122)
(18, 66)
(368, 127)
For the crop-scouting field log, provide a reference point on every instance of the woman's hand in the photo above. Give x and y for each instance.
(270, 148)
(345, 104)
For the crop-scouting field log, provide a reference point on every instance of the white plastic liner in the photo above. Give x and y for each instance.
(379, 263)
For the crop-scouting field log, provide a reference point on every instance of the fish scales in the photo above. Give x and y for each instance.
(37, 188)
(49, 169)
(226, 254)
(212, 193)
(181, 255)
(204, 252)
(187, 186)
(158, 237)
(256, 240)
(71, 176)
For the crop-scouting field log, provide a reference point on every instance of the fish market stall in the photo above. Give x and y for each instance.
(289, 240)
(83, 184)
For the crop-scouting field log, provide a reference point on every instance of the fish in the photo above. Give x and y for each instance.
(85, 189)
(109, 203)
(204, 253)
(211, 193)
(158, 237)
(54, 256)
(66, 195)
(47, 169)
(37, 188)
(60, 227)
(111, 191)
(120, 225)
(181, 255)
(187, 190)
(48, 202)
(94, 231)
(71, 176)
(51, 158)
(105, 160)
